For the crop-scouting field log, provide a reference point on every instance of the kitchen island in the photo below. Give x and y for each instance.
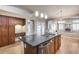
(42, 44)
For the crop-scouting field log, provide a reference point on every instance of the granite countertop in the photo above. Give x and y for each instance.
(35, 40)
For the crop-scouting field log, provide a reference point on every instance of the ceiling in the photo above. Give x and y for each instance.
(53, 11)
(2, 12)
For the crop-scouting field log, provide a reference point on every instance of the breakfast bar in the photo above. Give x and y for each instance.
(42, 44)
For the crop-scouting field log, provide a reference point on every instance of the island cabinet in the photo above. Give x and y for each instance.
(29, 49)
(50, 46)
(57, 43)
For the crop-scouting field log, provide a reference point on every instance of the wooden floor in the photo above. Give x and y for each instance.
(69, 45)
(16, 48)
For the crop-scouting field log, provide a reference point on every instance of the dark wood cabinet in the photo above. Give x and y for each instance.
(4, 30)
(59, 41)
(52, 47)
(16, 21)
(4, 21)
(11, 34)
(7, 29)
(0, 20)
(0, 33)
(4, 35)
(0, 37)
(30, 50)
(56, 45)
(11, 30)
(11, 21)
(19, 21)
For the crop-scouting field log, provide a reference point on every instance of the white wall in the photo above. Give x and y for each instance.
(19, 29)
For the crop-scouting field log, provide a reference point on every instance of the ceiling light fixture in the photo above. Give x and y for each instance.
(42, 15)
(36, 13)
(46, 16)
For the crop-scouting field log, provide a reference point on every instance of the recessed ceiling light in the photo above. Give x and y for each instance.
(36, 13)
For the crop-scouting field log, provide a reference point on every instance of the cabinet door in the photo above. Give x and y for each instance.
(52, 47)
(0, 33)
(29, 49)
(4, 20)
(4, 35)
(0, 37)
(11, 21)
(11, 34)
(4, 28)
(59, 41)
(11, 30)
(55, 44)
(0, 21)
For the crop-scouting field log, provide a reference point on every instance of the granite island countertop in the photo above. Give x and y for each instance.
(35, 40)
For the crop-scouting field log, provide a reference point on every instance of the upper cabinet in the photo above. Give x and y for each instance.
(11, 21)
(16, 21)
(4, 21)
(19, 21)
(0, 21)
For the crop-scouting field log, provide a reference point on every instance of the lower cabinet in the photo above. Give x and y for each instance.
(52, 47)
(4, 34)
(11, 32)
(57, 43)
(0, 37)
(29, 49)
(7, 35)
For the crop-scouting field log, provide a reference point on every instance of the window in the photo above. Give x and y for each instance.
(75, 25)
(52, 27)
(75, 21)
(61, 25)
(40, 28)
(29, 27)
